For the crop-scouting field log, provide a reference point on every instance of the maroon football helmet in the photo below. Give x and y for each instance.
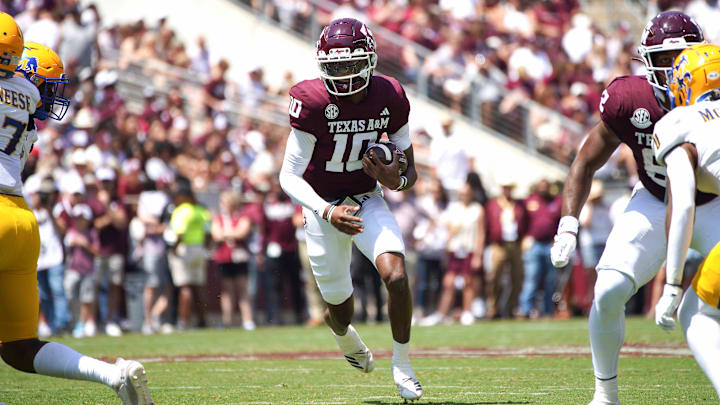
(346, 56)
(670, 30)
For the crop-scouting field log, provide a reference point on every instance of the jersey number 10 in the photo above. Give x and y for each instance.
(354, 162)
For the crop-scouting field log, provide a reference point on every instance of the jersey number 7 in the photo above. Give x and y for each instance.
(19, 129)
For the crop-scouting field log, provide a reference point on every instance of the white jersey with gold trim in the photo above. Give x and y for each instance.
(18, 100)
(698, 124)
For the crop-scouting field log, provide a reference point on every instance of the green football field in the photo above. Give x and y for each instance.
(508, 362)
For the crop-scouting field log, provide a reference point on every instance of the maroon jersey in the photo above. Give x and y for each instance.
(628, 106)
(343, 131)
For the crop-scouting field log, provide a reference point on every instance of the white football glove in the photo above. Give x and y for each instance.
(666, 307)
(562, 249)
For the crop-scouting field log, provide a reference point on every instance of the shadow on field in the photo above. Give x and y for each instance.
(449, 403)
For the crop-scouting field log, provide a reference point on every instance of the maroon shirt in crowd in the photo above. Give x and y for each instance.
(346, 128)
(278, 226)
(81, 260)
(543, 216)
(494, 227)
(112, 240)
(628, 106)
(223, 251)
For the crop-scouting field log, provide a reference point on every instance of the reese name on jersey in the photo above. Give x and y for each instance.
(15, 99)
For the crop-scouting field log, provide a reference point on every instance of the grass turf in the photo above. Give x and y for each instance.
(455, 380)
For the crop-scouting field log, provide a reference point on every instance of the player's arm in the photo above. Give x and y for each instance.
(680, 216)
(298, 152)
(599, 145)
(401, 139)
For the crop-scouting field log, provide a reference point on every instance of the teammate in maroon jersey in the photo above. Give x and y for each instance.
(325, 169)
(634, 252)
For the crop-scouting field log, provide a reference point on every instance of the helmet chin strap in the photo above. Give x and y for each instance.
(662, 98)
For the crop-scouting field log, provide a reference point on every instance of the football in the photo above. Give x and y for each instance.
(384, 151)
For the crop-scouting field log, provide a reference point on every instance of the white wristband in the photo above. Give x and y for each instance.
(568, 224)
(329, 214)
(403, 183)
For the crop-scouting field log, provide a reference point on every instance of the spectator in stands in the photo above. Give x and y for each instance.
(29, 15)
(506, 228)
(146, 231)
(465, 223)
(190, 223)
(253, 90)
(478, 277)
(449, 157)
(51, 265)
(578, 40)
(543, 210)
(445, 69)
(72, 191)
(45, 30)
(110, 222)
(80, 282)
(230, 230)
(405, 210)
(216, 88)
(200, 57)
(77, 44)
(595, 226)
(281, 269)
(430, 240)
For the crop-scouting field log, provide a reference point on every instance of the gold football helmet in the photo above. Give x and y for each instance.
(44, 68)
(695, 75)
(11, 45)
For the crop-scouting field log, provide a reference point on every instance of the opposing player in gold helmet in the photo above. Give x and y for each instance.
(686, 142)
(21, 101)
(44, 68)
(11, 45)
(695, 75)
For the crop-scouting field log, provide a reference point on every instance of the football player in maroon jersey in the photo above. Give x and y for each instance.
(334, 118)
(634, 252)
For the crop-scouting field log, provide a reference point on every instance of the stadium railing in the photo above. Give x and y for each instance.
(539, 129)
(136, 77)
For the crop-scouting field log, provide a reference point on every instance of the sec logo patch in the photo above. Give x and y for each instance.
(332, 111)
(641, 118)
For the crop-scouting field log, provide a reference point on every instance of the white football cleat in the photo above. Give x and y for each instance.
(133, 387)
(606, 392)
(362, 360)
(407, 384)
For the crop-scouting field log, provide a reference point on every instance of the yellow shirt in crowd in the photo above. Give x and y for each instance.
(192, 221)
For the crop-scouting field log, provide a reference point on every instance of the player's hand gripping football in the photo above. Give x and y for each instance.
(666, 307)
(562, 249)
(343, 219)
(388, 175)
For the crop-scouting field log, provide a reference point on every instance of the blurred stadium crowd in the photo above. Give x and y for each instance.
(149, 151)
(506, 64)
